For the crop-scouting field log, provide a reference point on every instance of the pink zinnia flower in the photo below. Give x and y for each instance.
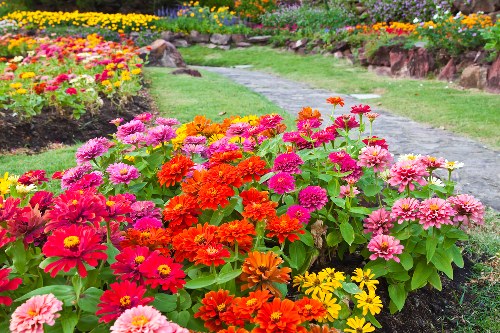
(376, 141)
(288, 162)
(92, 149)
(345, 191)
(134, 126)
(147, 222)
(122, 173)
(7, 285)
(300, 213)
(346, 122)
(313, 198)
(72, 175)
(166, 121)
(378, 222)
(238, 129)
(144, 117)
(116, 121)
(432, 162)
(405, 209)
(307, 124)
(404, 173)
(270, 121)
(135, 138)
(360, 109)
(30, 316)
(345, 163)
(372, 116)
(71, 91)
(160, 134)
(144, 208)
(322, 137)
(375, 157)
(145, 319)
(281, 183)
(435, 212)
(195, 140)
(467, 209)
(385, 246)
(91, 180)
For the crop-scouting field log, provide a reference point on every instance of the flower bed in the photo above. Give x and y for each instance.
(217, 226)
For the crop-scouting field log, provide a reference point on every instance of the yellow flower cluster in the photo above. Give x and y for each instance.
(475, 20)
(218, 15)
(394, 26)
(115, 22)
(7, 181)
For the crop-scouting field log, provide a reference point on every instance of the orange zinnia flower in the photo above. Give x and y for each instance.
(284, 227)
(181, 211)
(278, 316)
(197, 126)
(246, 307)
(321, 329)
(211, 196)
(335, 101)
(228, 156)
(260, 211)
(310, 309)
(153, 238)
(238, 231)
(188, 242)
(308, 113)
(261, 270)
(212, 254)
(252, 168)
(192, 185)
(253, 195)
(214, 303)
(223, 174)
(174, 170)
(233, 329)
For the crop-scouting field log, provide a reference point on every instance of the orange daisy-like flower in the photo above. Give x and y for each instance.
(252, 168)
(260, 211)
(188, 242)
(254, 195)
(238, 231)
(181, 212)
(260, 270)
(310, 309)
(212, 129)
(174, 170)
(223, 174)
(233, 329)
(246, 307)
(285, 227)
(211, 196)
(308, 113)
(197, 126)
(321, 329)
(224, 157)
(335, 101)
(212, 254)
(214, 303)
(192, 185)
(278, 316)
(152, 238)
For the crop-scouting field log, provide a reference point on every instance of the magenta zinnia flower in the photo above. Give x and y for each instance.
(385, 246)
(467, 209)
(129, 261)
(92, 149)
(4, 239)
(30, 316)
(288, 162)
(147, 222)
(159, 134)
(378, 222)
(281, 183)
(406, 172)
(435, 212)
(374, 157)
(134, 126)
(72, 175)
(166, 121)
(28, 226)
(343, 162)
(300, 213)
(405, 209)
(345, 122)
(145, 319)
(144, 209)
(360, 109)
(33, 177)
(313, 198)
(90, 180)
(120, 173)
(43, 199)
(163, 271)
(270, 121)
(7, 285)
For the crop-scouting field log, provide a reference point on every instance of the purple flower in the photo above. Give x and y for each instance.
(281, 183)
(92, 149)
(300, 213)
(288, 162)
(120, 173)
(313, 198)
(195, 140)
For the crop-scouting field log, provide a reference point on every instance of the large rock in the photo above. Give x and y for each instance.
(381, 57)
(238, 38)
(474, 76)
(259, 39)
(494, 75)
(220, 39)
(299, 44)
(162, 53)
(398, 60)
(196, 37)
(420, 62)
(167, 36)
(180, 43)
(448, 72)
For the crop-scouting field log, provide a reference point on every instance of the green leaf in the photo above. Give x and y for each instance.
(68, 321)
(372, 319)
(378, 267)
(89, 299)
(350, 287)
(333, 238)
(63, 293)
(100, 329)
(223, 278)
(398, 294)
(435, 280)
(87, 322)
(406, 260)
(136, 187)
(430, 247)
(420, 275)
(456, 255)
(297, 254)
(183, 318)
(165, 303)
(185, 300)
(201, 282)
(112, 252)
(372, 189)
(443, 262)
(307, 238)
(347, 232)
(360, 210)
(18, 254)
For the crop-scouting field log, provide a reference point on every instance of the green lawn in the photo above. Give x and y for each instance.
(470, 113)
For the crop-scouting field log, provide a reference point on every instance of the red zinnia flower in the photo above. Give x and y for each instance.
(360, 109)
(71, 91)
(310, 309)
(153, 238)
(118, 207)
(28, 225)
(211, 196)
(128, 262)
(188, 242)
(181, 212)
(260, 211)
(74, 245)
(253, 195)
(174, 170)
(284, 227)
(214, 303)
(224, 157)
(120, 297)
(33, 177)
(278, 316)
(252, 168)
(233, 329)
(223, 174)
(4, 239)
(238, 231)
(6, 285)
(161, 270)
(212, 254)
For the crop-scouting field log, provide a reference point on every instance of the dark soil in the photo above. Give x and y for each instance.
(51, 127)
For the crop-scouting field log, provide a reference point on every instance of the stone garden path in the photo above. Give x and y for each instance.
(480, 176)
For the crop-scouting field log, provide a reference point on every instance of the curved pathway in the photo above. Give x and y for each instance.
(480, 176)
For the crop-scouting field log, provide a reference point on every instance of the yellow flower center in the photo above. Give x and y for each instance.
(308, 307)
(275, 316)
(164, 270)
(405, 206)
(145, 234)
(74, 202)
(125, 301)
(110, 203)
(71, 242)
(251, 302)
(221, 307)
(177, 207)
(32, 313)
(139, 321)
(434, 207)
(374, 153)
(123, 171)
(199, 239)
(212, 250)
(384, 246)
(139, 259)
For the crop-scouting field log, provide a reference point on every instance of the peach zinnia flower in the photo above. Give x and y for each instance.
(145, 319)
(260, 270)
(384, 246)
(30, 316)
(435, 212)
(278, 316)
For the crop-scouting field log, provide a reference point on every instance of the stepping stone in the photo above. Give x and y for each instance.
(243, 66)
(365, 96)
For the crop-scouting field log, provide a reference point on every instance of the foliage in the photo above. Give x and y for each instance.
(492, 38)
(217, 16)
(252, 9)
(406, 10)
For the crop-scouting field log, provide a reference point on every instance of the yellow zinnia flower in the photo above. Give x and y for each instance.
(358, 326)
(369, 302)
(331, 306)
(313, 284)
(364, 278)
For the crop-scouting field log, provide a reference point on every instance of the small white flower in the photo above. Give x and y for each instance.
(416, 20)
(409, 157)
(23, 189)
(453, 165)
(18, 59)
(436, 181)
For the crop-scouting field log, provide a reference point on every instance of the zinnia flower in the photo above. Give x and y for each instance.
(212, 254)
(239, 232)
(119, 297)
(71, 91)
(159, 134)
(215, 303)
(147, 223)
(467, 209)
(345, 122)
(364, 278)
(378, 222)
(74, 245)
(30, 316)
(145, 319)
(300, 213)
(348, 191)
(72, 175)
(335, 101)
(310, 309)
(406, 172)
(313, 197)
(6, 285)
(181, 212)
(129, 261)
(374, 157)
(435, 212)
(385, 246)
(174, 170)
(31, 177)
(120, 173)
(360, 109)
(405, 209)
(161, 270)
(284, 227)
(132, 127)
(252, 168)
(92, 149)
(357, 325)
(28, 226)
(278, 316)
(368, 302)
(281, 183)
(212, 195)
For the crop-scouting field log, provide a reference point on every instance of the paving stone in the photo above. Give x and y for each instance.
(480, 176)
(365, 96)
